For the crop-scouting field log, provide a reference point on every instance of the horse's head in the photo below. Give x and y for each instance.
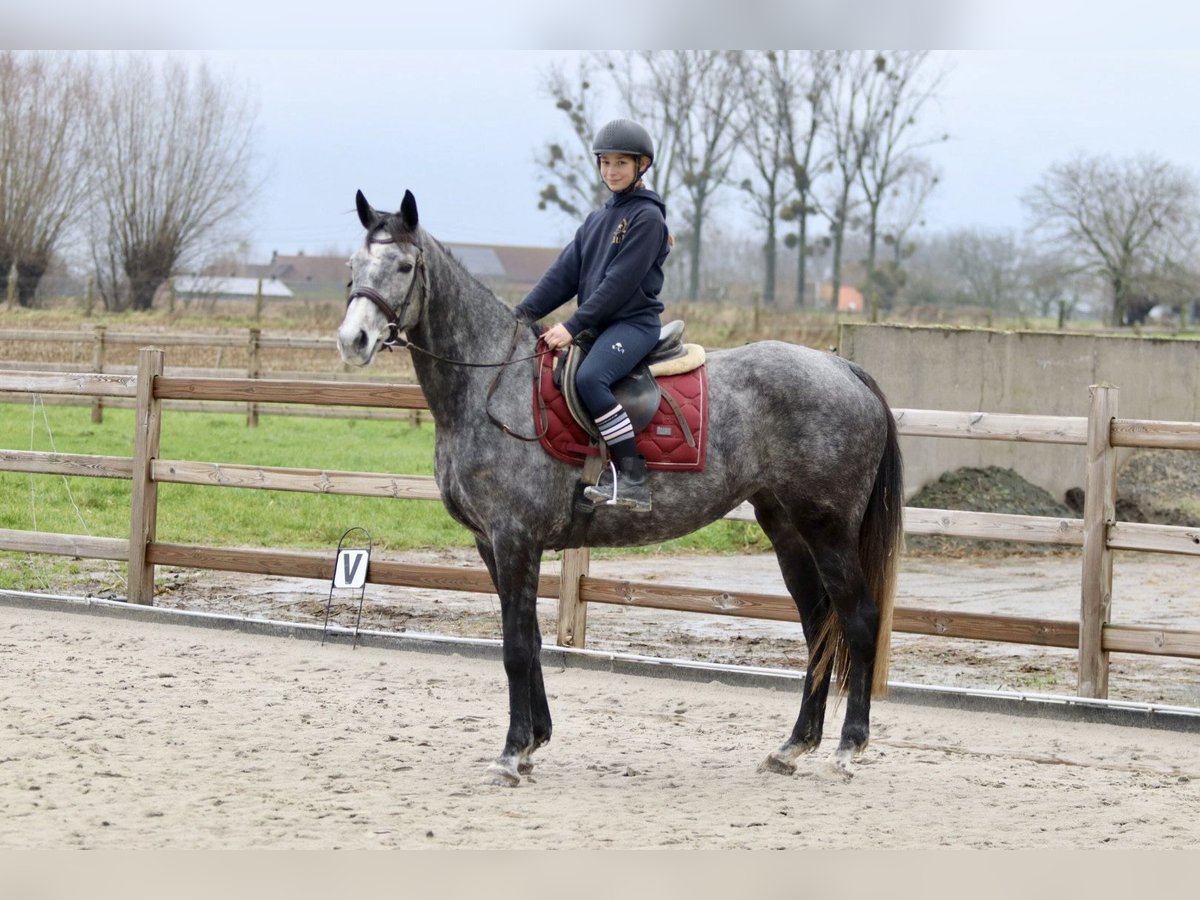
(388, 283)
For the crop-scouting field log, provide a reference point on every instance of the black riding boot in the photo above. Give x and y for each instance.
(629, 490)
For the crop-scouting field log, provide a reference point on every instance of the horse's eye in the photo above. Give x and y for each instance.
(406, 267)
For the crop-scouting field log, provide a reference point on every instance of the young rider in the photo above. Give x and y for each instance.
(614, 267)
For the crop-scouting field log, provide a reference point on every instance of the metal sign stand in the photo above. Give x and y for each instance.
(349, 571)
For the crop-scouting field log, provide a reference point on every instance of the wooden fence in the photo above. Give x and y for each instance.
(254, 344)
(1098, 532)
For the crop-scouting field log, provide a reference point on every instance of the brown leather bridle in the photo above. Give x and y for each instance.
(393, 317)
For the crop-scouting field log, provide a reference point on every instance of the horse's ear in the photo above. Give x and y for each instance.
(366, 214)
(408, 211)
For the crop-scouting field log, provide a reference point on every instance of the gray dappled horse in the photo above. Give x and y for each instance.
(803, 435)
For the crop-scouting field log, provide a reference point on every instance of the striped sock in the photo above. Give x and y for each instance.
(614, 426)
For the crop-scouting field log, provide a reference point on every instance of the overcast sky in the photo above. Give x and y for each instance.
(460, 127)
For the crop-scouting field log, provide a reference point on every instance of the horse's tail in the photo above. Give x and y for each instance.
(881, 537)
(880, 543)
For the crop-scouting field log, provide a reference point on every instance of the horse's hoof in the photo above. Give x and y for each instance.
(777, 764)
(503, 775)
(840, 764)
(525, 767)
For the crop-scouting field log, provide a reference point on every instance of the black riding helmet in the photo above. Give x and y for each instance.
(624, 136)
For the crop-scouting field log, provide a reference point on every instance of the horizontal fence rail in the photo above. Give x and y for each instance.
(991, 426)
(142, 339)
(575, 587)
(253, 343)
(80, 384)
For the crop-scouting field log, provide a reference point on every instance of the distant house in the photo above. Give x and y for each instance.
(509, 271)
(308, 276)
(506, 270)
(850, 299)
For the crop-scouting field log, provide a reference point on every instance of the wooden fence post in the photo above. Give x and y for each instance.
(1099, 512)
(144, 513)
(98, 368)
(252, 371)
(572, 612)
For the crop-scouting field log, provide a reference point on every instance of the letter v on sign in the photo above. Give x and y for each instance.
(350, 570)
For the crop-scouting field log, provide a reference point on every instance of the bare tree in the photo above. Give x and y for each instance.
(1122, 220)
(852, 72)
(1052, 286)
(899, 86)
(689, 100)
(764, 147)
(800, 82)
(779, 118)
(990, 267)
(572, 185)
(43, 161)
(900, 215)
(173, 173)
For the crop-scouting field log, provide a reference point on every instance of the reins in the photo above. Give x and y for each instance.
(395, 317)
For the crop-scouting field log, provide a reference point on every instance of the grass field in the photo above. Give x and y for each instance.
(214, 516)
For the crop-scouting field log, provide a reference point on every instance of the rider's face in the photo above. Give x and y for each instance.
(618, 170)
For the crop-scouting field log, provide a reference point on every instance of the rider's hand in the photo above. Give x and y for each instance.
(557, 337)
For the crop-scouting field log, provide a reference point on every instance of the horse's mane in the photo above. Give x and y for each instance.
(394, 225)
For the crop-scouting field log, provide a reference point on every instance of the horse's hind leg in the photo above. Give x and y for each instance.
(514, 570)
(858, 616)
(803, 582)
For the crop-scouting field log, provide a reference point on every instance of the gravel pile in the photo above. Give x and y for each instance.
(990, 489)
(1160, 486)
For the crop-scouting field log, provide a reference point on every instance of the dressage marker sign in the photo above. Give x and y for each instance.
(350, 570)
(349, 573)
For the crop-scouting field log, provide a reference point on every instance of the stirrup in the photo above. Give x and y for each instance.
(597, 494)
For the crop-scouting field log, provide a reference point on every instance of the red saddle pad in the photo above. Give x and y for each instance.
(663, 442)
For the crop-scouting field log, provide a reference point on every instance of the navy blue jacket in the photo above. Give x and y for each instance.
(614, 267)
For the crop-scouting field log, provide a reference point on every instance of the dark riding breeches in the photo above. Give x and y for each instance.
(615, 353)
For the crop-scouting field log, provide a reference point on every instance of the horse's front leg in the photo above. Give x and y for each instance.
(514, 565)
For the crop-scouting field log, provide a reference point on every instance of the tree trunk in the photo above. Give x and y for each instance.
(836, 285)
(802, 262)
(872, 286)
(147, 266)
(1119, 302)
(839, 236)
(141, 293)
(142, 286)
(770, 252)
(694, 262)
(5, 269)
(28, 276)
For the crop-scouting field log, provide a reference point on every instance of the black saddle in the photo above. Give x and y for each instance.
(638, 392)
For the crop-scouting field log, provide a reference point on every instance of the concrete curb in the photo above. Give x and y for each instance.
(1042, 706)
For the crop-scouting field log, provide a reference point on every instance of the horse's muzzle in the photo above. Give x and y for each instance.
(356, 346)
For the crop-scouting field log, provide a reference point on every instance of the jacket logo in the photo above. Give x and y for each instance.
(622, 230)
